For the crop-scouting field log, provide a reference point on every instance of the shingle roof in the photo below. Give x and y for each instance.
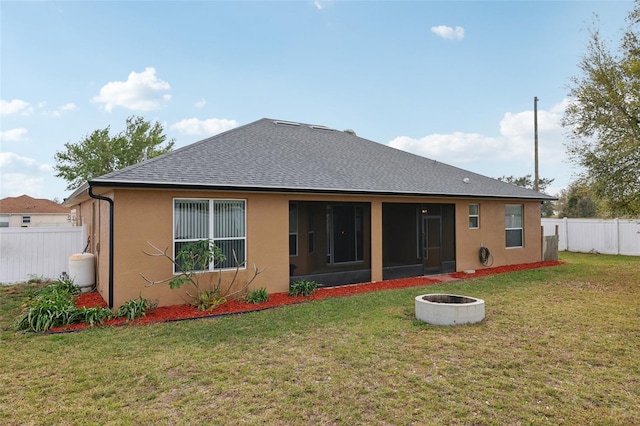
(273, 155)
(26, 204)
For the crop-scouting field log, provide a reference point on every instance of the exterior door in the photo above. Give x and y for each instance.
(432, 243)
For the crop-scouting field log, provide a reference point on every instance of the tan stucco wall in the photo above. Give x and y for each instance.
(491, 234)
(143, 216)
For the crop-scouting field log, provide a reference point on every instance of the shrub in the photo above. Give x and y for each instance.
(302, 288)
(191, 260)
(258, 295)
(135, 308)
(207, 300)
(54, 306)
(43, 313)
(65, 284)
(93, 316)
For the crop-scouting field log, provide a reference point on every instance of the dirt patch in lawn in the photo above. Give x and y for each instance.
(183, 312)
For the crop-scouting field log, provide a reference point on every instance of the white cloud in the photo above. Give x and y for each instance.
(210, 127)
(60, 110)
(509, 153)
(322, 4)
(201, 103)
(13, 135)
(16, 184)
(15, 106)
(141, 92)
(448, 33)
(453, 148)
(23, 175)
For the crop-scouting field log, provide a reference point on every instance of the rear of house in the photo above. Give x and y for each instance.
(301, 201)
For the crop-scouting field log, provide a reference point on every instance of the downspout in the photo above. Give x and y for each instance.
(110, 201)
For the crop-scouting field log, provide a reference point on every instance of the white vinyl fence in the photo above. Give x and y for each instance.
(607, 236)
(38, 251)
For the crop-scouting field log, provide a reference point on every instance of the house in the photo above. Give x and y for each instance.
(25, 211)
(301, 201)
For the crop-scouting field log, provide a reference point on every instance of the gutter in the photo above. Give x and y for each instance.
(110, 201)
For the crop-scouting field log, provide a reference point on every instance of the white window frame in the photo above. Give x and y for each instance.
(211, 235)
(26, 220)
(476, 216)
(514, 228)
(4, 221)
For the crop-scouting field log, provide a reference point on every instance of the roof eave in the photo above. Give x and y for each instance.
(254, 188)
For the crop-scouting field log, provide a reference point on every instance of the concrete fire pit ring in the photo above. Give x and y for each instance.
(449, 309)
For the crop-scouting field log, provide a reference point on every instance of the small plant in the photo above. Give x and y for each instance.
(191, 261)
(41, 314)
(64, 283)
(302, 288)
(258, 295)
(208, 300)
(135, 308)
(54, 306)
(50, 307)
(34, 279)
(93, 316)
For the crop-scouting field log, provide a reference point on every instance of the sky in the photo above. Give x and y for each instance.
(452, 81)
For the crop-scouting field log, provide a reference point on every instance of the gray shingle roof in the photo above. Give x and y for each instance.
(272, 155)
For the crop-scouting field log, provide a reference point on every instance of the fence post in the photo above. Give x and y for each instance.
(616, 222)
(565, 236)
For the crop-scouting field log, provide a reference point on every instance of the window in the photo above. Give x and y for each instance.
(26, 220)
(4, 221)
(474, 216)
(513, 225)
(221, 221)
(293, 229)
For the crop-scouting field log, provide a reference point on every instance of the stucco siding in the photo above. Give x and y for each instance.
(491, 234)
(146, 216)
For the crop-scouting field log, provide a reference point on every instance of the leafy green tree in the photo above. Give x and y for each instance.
(100, 153)
(577, 201)
(603, 119)
(526, 181)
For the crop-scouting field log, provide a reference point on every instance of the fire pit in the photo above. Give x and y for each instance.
(449, 309)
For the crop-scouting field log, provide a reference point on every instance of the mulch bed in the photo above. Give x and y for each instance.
(183, 312)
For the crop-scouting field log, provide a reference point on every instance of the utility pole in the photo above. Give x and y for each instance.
(535, 133)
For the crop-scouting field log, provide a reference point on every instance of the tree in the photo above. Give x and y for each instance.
(99, 153)
(577, 201)
(527, 182)
(603, 119)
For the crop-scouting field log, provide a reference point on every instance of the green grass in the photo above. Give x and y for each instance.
(559, 345)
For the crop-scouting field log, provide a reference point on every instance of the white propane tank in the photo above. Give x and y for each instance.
(82, 271)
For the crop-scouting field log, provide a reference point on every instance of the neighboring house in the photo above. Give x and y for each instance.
(301, 201)
(25, 211)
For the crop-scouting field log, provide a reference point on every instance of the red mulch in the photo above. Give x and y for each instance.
(182, 312)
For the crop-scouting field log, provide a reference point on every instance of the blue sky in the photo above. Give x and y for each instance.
(452, 81)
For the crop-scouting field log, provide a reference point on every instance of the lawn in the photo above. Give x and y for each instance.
(559, 345)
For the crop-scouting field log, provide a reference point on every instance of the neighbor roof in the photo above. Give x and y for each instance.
(275, 155)
(25, 204)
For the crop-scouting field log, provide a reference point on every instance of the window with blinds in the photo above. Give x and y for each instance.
(221, 221)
